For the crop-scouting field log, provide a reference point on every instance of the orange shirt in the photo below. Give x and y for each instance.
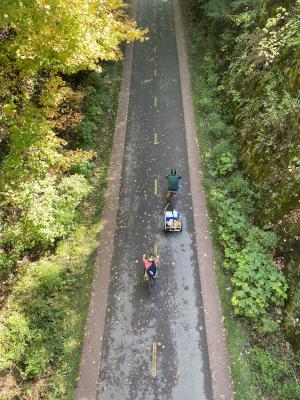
(147, 263)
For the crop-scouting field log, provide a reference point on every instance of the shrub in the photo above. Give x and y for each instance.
(222, 158)
(99, 100)
(85, 168)
(257, 282)
(48, 211)
(233, 220)
(238, 187)
(33, 337)
(7, 262)
(14, 335)
(268, 326)
(216, 126)
(233, 225)
(85, 132)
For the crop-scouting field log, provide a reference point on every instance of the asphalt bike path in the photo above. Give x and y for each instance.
(154, 347)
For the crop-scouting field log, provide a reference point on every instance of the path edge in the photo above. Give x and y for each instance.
(215, 332)
(88, 383)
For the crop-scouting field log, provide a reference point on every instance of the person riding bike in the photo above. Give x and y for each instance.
(173, 183)
(150, 262)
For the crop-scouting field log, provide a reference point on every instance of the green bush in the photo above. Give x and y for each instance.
(257, 282)
(37, 334)
(14, 336)
(85, 168)
(233, 225)
(85, 132)
(215, 124)
(268, 325)
(48, 211)
(7, 262)
(233, 218)
(99, 89)
(222, 158)
(238, 187)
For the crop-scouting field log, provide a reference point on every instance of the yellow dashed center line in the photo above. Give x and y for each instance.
(155, 101)
(155, 138)
(155, 72)
(154, 49)
(154, 359)
(155, 249)
(155, 186)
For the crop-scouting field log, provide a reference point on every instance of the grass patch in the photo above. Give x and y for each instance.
(43, 319)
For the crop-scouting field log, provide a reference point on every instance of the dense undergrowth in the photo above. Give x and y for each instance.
(247, 108)
(43, 318)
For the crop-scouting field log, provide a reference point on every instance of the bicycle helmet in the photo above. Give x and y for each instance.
(151, 257)
(173, 171)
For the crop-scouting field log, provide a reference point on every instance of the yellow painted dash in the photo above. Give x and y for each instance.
(154, 359)
(155, 249)
(155, 49)
(155, 72)
(155, 138)
(155, 101)
(155, 186)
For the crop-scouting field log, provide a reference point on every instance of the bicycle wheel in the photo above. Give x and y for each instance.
(150, 285)
(172, 200)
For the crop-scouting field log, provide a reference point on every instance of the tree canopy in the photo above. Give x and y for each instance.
(44, 43)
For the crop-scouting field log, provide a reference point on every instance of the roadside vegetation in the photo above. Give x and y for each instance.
(245, 63)
(60, 78)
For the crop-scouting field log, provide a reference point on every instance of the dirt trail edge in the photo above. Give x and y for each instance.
(218, 356)
(87, 385)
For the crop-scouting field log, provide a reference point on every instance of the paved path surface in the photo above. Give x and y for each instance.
(154, 348)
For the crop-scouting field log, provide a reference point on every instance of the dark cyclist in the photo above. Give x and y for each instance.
(173, 183)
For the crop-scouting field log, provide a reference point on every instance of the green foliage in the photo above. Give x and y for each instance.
(269, 326)
(292, 318)
(259, 87)
(215, 9)
(48, 213)
(36, 334)
(257, 282)
(275, 375)
(86, 131)
(246, 75)
(233, 224)
(85, 168)
(13, 338)
(221, 159)
(280, 33)
(98, 89)
(42, 322)
(237, 186)
(241, 5)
